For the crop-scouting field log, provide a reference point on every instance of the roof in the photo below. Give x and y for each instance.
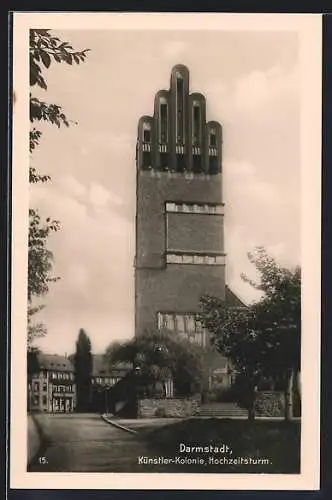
(233, 300)
(100, 366)
(55, 362)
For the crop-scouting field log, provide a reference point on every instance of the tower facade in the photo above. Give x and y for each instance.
(179, 212)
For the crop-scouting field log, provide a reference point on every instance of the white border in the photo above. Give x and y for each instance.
(308, 28)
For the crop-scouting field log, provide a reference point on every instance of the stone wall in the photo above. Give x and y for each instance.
(177, 408)
(270, 404)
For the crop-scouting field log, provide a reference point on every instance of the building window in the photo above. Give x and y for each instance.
(196, 208)
(36, 400)
(44, 400)
(179, 109)
(196, 259)
(170, 207)
(196, 123)
(163, 120)
(36, 386)
(147, 135)
(53, 375)
(190, 323)
(45, 386)
(186, 325)
(213, 138)
(180, 323)
(187, 259)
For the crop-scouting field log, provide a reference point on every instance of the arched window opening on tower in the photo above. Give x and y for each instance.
(213, 138)
(179, 109)
(146, 147)
(163, 121)
(146, 135)
(196, 123)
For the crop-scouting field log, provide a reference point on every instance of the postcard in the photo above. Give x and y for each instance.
(166, 188)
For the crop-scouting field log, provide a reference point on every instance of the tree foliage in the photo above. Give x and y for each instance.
(44, 48)
(83, 370)
(158, 356)
(264, 339)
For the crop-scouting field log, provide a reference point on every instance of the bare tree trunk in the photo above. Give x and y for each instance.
(251, 408)
(289, 396)
(251, 413)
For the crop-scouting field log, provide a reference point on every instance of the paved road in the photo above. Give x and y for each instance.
(85, 443)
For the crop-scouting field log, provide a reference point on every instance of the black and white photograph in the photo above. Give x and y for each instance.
(166, 251)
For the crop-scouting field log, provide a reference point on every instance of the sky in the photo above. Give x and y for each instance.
(251, 83)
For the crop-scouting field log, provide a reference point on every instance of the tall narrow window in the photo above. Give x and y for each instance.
(146, 154)
(147, 135)
(179, 109)
(163, 116)
(213, 138)
(196, 124)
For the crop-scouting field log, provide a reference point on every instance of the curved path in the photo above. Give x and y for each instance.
(85, 443)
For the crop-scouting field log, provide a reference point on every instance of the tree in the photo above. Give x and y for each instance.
(234, 336)
(44, 48)
(157, 357)
(264, 339)
(278, 319)
(83, 371)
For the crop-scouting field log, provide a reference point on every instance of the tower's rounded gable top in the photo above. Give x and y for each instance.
(214, 124)
(180, 68)
(142, 121)
(161, 94)
(144, 118)
(197, 96)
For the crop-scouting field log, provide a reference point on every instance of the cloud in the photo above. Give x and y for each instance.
(72, 186)
(174, 50)
(244, 183)
(260, 88)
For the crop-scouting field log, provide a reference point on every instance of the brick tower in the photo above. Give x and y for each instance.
(179, 212)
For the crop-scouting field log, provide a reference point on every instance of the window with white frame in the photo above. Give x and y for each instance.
(186, 325)
(198, 208)
(196, 259)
